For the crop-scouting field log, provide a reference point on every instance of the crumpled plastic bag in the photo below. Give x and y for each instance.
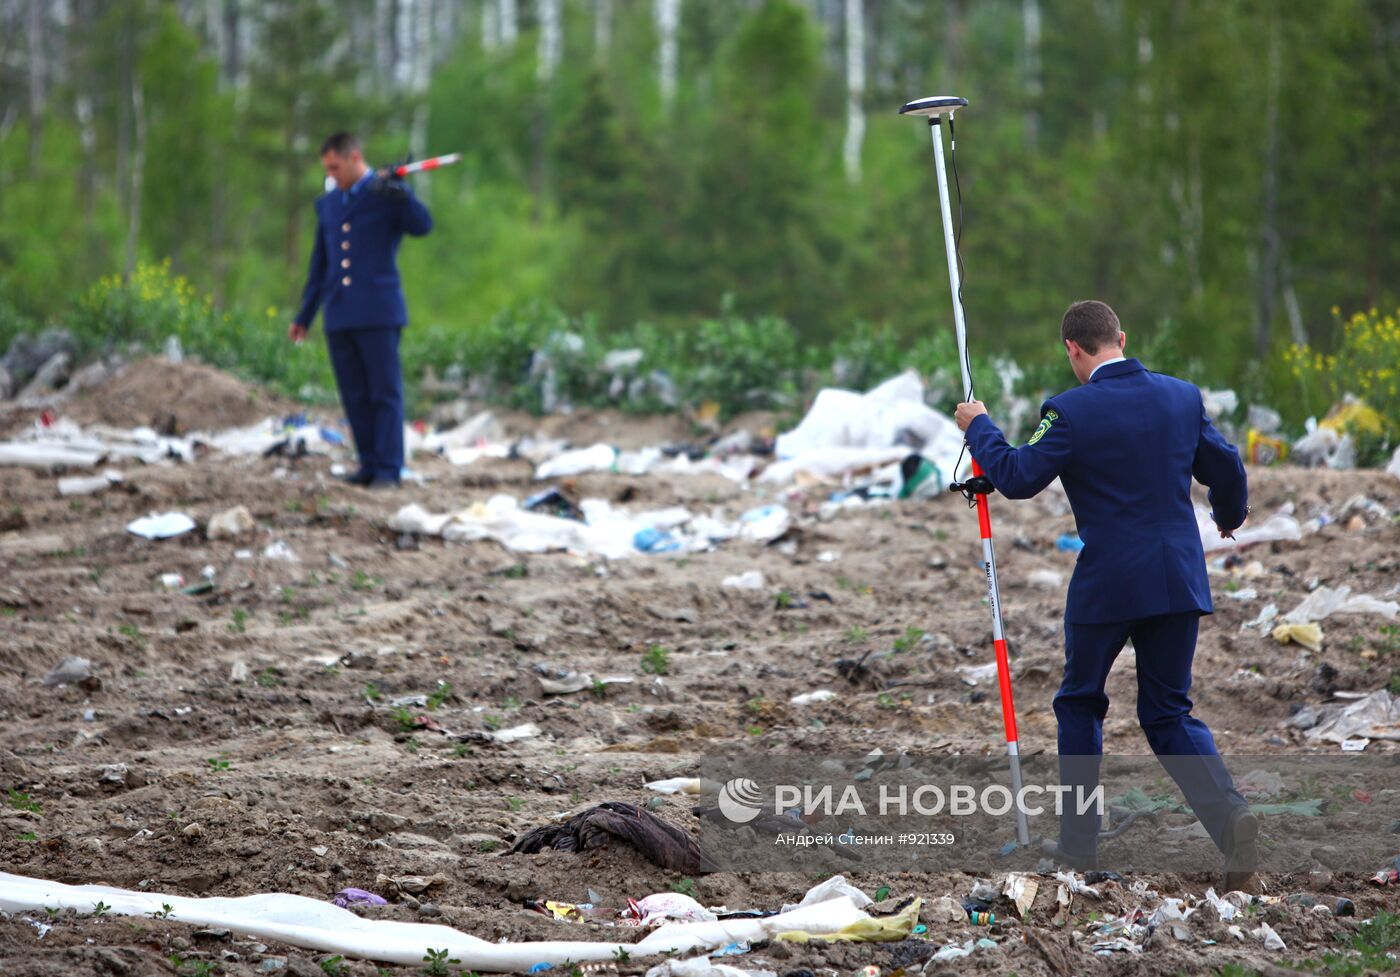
(1308, 635)
(1375, 717)
(830, 889)
(876, 929)
(1325, 601)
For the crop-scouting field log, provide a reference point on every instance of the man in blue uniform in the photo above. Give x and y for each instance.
(1125, 446)
(354, 275)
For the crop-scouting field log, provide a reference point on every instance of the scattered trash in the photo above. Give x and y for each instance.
(600, 457)
(809, 698)
(162, 525)
(1272, 941)
(830, 889)
(515, 734)
(649, 539)
(845, 432)
(664, 906)
(1021, 889)
(230, 524)
(1389, 874)
(1308, 635)
(555, 682)
(1069, 543)
(1377, 716)
(281, 552)
(1325, 601)
(555, 503)
(70, 671)
(748, 580)
(875, 929)
(347, 898)
(677, 785)
(88, 484)
(1278, 527)
(172, 581)
(765, 523)
(658, 841)
(1046, 579)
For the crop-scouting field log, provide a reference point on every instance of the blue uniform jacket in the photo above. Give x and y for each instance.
(353, 269)
(1125, 446)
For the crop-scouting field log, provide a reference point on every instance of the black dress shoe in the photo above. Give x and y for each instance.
(1241, 850)
(361, 477)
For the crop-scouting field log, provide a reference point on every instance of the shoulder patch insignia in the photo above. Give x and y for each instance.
(1050, 418)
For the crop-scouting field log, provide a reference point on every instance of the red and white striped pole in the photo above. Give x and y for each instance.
(935, 108)
(405, 169)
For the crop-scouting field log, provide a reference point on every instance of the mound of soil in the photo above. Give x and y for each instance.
(175, 398)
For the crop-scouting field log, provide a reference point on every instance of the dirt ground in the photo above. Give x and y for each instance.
(302, 779)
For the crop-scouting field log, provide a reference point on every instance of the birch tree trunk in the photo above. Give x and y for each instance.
(508, 19)
(602, 28)
(138, 166)
(35, 33)
(855, 88)
(550, 43)
(490, 26)
(668, 19)
(1030, 22)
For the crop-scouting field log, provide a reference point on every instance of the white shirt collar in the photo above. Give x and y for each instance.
(1116, 359)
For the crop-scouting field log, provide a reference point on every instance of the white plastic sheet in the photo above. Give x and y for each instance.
(1280, 526)
(888, 423)
(161, 525)
(316, 925)
(1325, 601)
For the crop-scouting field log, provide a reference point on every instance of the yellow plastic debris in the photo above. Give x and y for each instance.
(1308, 635)
(876, 929)
(1355, 415)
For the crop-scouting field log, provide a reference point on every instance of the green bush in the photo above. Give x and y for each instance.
(158, 304)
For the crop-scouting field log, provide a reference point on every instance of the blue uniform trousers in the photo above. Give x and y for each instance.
(1165, 646)
(366, 364)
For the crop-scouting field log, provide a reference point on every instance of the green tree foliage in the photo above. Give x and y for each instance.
(1222, 171)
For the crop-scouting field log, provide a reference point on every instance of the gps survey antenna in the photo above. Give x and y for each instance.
(977, 487)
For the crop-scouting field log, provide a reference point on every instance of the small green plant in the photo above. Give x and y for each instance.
(910, 638)
(856, 634)
(599, 688)
(621, 955)
(487, 845)
(656, 660)
(439, 695)
(294, 505)
(28, 836)
(405, 717)
(372, 693)
(412, 745)
(515, 803)
(491, 721)
(885, 701)
(461, 750)
(164, 912)
(437, 961)
(363, 581)
(784, 600)
(21, 801)
(100, 908)
(686, 887)
(218, 763)
(268, 678)
(516, 572)
(334, 966)
(239, 624)
(757, 705)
